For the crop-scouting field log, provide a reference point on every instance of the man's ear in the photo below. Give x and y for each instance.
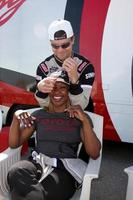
(73, 39)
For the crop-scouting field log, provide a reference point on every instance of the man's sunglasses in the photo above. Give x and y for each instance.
(63, 46)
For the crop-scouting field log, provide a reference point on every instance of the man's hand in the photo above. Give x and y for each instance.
(46, 85)
(70, 66)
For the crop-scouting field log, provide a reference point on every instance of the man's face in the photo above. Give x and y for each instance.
(62, 49)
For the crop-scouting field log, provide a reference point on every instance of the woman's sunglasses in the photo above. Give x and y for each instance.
(63, 46)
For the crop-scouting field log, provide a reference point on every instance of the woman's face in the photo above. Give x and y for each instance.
(59, 95)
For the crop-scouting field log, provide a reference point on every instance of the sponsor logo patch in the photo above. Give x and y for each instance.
(89, 75)
(82, 66)
(53, 69)
(44, 67)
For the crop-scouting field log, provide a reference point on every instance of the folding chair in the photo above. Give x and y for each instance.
(93, 168)
(10, 156)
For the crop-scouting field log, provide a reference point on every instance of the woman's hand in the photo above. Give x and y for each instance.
(21, 128)
(24, 118)
(89, 138)
(76, 111)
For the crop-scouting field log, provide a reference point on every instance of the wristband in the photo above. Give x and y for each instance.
(75, 89)
(41, 94)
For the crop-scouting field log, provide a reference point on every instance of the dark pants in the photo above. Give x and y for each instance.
(23, 181)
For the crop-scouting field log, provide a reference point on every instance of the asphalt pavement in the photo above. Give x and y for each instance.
(112, 182)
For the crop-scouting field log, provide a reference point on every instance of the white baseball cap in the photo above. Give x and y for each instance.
(60, 29)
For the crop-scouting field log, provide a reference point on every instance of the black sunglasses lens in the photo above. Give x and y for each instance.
(54, 46)
(63, 46)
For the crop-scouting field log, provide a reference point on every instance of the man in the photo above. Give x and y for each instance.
(80, 70)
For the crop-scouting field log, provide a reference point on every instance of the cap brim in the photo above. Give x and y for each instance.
(62, 80)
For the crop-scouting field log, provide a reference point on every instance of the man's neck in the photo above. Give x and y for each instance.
(58, 60)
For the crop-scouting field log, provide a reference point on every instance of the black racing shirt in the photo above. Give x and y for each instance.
(51, 64)
(85, 71)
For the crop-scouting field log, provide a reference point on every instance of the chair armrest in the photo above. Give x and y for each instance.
(129, 170)
(93, 168)
(129, 192)
(9, 152)
(7, 159)
(92, 172)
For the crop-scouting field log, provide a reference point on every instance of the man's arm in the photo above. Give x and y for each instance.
(42, 89)
(80, 88)
(81, 99)
(43, 102)
(80, 92)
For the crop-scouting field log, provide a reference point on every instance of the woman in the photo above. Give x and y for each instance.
(59, 130)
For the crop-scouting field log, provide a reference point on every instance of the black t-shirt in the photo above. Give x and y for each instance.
(57, 134)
